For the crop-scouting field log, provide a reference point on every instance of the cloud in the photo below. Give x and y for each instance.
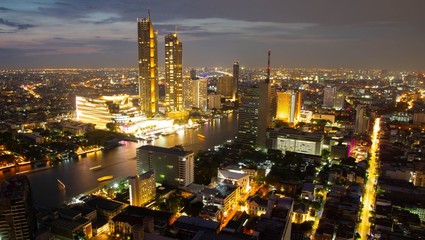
(5, 9)
(11, 27)
(241, 29)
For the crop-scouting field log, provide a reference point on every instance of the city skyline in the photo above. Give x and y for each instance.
(330, 34)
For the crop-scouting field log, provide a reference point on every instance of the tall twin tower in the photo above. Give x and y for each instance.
(148, 68)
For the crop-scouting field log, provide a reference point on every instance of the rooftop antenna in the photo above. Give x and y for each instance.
(268, 68)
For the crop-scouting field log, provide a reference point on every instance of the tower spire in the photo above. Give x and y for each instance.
(268, 68)
(149, 14)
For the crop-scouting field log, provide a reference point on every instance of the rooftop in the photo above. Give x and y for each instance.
(178, 151)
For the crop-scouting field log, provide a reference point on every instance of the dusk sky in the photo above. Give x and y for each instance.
(384, 34)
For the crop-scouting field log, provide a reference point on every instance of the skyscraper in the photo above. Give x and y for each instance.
(248, 117)
(288, 106)
(255, 113)
(173, 73)
(148, 65)
(17, 212)
(235, 80)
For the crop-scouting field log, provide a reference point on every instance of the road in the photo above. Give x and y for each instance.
(370, 190)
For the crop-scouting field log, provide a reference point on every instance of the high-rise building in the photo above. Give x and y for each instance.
(248, 117)
(148, 65)
(193, 74)
(226, 87)
(264, 112)
(195, 93)
(255, 113)
(173, 166)
(288, 106)
(142, 188)
(362, 120)
(332, 98)
(214, 101)
(17, 212)
(329, 94)
(235, 80)
(173, 73)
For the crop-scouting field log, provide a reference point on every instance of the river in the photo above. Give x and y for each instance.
(119, 162)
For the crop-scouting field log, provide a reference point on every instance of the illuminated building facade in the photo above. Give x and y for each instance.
(288, 106)
(121, 111)
(173, 73)
(294, 141)
(236, 75)
(173, 166)
(148, 65)
(17, 212)
(101, 111)
(142, 188)
(214, 101)
(248, 117)
(226, 87)
(195, 93)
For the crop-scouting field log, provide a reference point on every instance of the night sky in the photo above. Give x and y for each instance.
(384, 34)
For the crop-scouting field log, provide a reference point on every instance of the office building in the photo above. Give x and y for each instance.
(362, 120)
(236, 75)
(148, 65)
(226, 87)
(248, 117)
(288, 106)
(195, 93)
(332, 98)
(142, 188)
(173, 73)
(172, 166)
(17, 212)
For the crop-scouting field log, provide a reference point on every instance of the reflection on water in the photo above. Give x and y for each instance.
(119, 162)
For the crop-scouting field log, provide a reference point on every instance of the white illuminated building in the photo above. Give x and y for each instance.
(120, 110)
(295, 141)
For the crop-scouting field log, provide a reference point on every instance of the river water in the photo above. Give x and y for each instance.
(119, 162)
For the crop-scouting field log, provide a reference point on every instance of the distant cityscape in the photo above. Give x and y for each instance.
(316, 154)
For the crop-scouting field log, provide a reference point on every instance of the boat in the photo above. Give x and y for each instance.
(201, 136)
(168, 132)
(95, 167)
(105, 178)
(61, 185)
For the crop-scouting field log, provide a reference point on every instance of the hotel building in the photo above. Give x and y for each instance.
(173, 166)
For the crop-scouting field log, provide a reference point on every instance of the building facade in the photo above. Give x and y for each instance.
(173, 166)
(148, 65)
(294, 141)
(17, 212)
(195, 93)
(236, 74)
(288, 106)
(142, 188)
(173, 73)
